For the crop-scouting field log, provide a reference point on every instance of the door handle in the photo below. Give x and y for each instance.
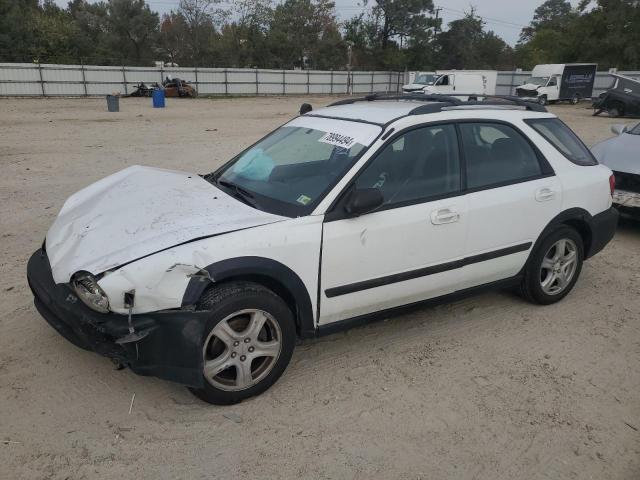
(444, 215)
(545, 194)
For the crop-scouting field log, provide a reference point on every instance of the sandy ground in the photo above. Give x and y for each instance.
(487, 388)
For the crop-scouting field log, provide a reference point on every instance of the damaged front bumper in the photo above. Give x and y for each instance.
(171, 348)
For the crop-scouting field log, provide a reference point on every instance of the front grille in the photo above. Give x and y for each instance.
(627, 181)
(527, 93)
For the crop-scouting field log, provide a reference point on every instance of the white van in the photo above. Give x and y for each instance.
(464, 82)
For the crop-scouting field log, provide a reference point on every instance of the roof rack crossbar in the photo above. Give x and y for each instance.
(385, 96)
(450, 100)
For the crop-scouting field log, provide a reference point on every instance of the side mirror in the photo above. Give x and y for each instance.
(305, 108)
(619, 128)
(363, 201)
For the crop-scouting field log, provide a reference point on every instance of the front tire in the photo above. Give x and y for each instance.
(615, 109)
(542, 100)
(248, 342)
(554, 267)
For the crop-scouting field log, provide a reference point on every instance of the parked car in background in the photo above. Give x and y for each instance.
(176, 87)
(555, 82)
(622, 155)
(420, 80)
(622, 98)
(464, 83)
(340, 216)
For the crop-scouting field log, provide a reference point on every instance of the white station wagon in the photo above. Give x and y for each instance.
(341, 215)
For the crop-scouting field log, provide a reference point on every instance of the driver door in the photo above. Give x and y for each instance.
(406, 250)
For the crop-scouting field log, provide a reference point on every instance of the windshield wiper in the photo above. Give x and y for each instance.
(239, 192)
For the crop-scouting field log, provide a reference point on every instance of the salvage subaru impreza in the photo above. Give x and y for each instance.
(343, 214)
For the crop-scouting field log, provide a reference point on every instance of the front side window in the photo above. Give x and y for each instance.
(497, 154)
(635, 130)
(565, 141)
(443, 80)
(423, 163)
(289, 171)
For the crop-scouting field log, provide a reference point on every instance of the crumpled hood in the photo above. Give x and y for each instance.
(620, 153)
(139, 211)
(413, 86)
(528, 86)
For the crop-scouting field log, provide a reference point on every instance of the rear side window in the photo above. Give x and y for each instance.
(497, 154)
(565, 141)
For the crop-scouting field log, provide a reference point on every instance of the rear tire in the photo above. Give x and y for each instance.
(553, 267)
(575, 99)
(248, 342)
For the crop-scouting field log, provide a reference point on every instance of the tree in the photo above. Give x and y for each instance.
(602, 31)
(200, 17)
(466, 45)
(303, 34)
(552, 14)
(134, 27)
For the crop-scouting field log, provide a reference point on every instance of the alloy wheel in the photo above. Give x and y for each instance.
(241, 350)
(558, 266)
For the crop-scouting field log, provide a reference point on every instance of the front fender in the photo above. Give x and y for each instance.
(257, 268)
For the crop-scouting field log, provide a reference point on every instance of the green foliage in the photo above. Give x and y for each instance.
(606, 32)
(392, 34)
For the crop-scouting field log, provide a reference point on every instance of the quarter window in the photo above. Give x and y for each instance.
(496, 154)
(421, 164)
(560, 136)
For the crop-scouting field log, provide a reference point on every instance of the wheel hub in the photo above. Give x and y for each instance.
(241, 350)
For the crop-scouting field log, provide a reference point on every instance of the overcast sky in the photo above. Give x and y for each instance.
(505, 17)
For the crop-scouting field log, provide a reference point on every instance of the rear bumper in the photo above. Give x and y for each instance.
(626, 200)
(603, 228)
(171, 349)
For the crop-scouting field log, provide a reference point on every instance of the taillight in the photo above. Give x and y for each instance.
(612, 183)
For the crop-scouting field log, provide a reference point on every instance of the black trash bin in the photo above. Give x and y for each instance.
(113, 103)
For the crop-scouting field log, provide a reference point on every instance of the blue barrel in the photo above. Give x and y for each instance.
(158, 98)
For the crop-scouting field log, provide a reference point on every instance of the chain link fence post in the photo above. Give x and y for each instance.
(84, 78)
(41, 79)
(124, 80)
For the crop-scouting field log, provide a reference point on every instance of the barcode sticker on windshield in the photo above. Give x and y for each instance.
(338, 140)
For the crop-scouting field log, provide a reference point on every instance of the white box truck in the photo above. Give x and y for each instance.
(464, 83)
(559, 81)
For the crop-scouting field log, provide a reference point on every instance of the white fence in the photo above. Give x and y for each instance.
(25, 79)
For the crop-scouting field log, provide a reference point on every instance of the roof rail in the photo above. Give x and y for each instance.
(502, 99)
(439, 101)
(418, 97)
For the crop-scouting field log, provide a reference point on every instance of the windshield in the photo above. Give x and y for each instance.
(425, 79)
(289, 171)
(538, 80)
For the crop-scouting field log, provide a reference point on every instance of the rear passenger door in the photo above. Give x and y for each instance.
(512, 195)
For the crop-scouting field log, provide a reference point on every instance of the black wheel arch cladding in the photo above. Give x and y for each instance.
(265, 271)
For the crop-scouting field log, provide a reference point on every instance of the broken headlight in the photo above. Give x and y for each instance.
(92, 295)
